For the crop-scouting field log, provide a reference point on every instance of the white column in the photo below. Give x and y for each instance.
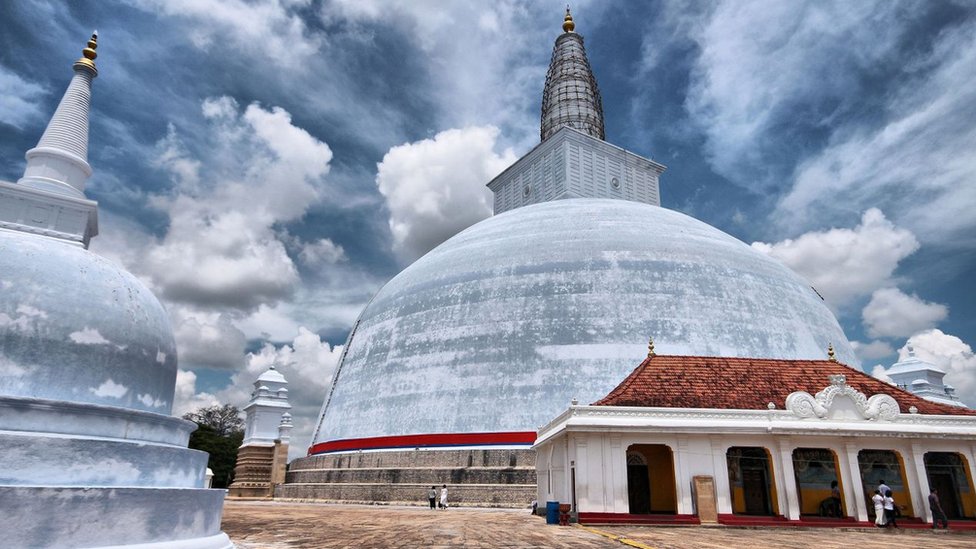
(789, 499)
(584, 478)
(845, 474)
(681, 477)
(919, 483)
(777, 466)
(615, 491)
(851, 449)
(723, 492)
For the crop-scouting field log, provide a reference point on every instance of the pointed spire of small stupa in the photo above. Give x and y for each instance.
(650, 347)
(571, 96)
(830, 353)
(59, 162)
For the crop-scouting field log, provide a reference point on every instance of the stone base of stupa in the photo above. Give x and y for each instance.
(86, 475)
(474, 477)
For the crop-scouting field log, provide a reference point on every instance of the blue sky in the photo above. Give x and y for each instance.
(265, 166)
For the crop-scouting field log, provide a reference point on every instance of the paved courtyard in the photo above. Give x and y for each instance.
(268, 525)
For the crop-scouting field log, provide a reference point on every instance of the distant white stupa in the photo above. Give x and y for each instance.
(923, 378)
(91, 455)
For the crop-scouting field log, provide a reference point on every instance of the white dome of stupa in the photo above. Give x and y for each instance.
(75, 326)
(498, 328)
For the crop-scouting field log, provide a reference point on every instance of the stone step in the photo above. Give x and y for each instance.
(416, 475)
(419, 458)
(469, 495)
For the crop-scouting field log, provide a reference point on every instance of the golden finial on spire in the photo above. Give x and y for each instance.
(650, 347)
(88, 54)
(830, 353)
(568, 24)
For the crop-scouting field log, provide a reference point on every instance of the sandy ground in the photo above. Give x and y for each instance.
(269, 525)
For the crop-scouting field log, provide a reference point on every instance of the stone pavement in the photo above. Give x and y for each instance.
(270, 525)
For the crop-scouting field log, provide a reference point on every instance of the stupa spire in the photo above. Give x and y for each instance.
(571, 96)
(59, 162)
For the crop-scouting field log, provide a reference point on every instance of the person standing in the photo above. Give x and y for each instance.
(883, 488)
(879, 511)
(835, 502)
(937, 513)
(432, 497)
(444, 497)
(889, 511)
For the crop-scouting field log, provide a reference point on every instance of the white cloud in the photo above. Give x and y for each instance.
(872, 350)
(881, 373)
(765, 61)
(892, 313)
(843, 264)
(19, 99)
(951, 354)
(268, 30)
(221, 248)
(436, 187)
(110, 389)
(918, 163)
(307, 363)
(186, 398)
(321, 251)
(207, 340)
(88, 336)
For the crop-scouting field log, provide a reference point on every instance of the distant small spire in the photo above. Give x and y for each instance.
(650, 347)
(568, 24)
(911, 349)
(830, 353)
(88, 55)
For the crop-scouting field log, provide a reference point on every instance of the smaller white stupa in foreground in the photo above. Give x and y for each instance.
(91, 455)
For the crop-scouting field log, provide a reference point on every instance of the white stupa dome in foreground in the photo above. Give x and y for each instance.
(498, 328)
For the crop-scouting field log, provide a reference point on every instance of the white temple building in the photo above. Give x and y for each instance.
(91, 454)
(923, 379)
(756, 442)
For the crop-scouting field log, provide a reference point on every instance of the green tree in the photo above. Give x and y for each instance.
(220, 431)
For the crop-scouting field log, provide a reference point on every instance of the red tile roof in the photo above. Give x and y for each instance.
(747, 384)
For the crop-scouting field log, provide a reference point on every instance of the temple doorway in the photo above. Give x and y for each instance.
(946, 472)
(650, 479)
(886, 466)
(751, 481)
(818, 483)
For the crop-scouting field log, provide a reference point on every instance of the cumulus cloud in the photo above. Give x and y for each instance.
(892, 313)
(221, 248)
(843, 264)
(208, 340)
(186, 398)
(951, 354)
(320, 252)
(872, 350)
(881, 373)
(18, 99)
(436, 187)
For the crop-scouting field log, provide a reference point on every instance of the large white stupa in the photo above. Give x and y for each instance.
(91, 455)
(495, 330)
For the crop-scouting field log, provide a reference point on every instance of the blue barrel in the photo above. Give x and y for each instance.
(552, 512)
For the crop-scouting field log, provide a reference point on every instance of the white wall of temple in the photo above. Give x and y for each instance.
(599, 460)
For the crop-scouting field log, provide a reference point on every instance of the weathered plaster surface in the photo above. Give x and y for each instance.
(501, 326)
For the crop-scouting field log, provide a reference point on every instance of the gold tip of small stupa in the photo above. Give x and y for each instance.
(88, 54)
(650, 347)
(830, 353)
(568, 24)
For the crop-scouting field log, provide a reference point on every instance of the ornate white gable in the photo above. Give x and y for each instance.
(841, 401)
